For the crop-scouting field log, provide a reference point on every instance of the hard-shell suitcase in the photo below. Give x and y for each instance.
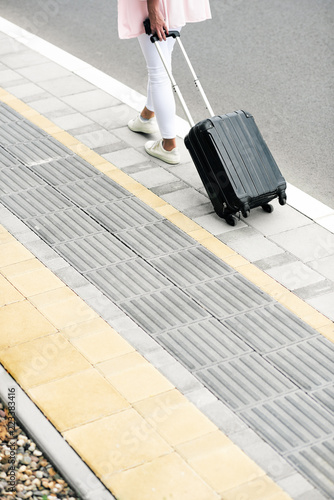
(234, 162)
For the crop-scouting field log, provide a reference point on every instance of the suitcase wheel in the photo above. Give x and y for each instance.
(231, 220)
(268, 208)
(282, 199)
(245, 213)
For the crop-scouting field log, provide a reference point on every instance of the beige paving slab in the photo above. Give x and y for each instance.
(223, 466)
(13, 252)
(174, 417)
(21, 322)
(8, 293)
(40, 360)
(167, 477)
(134, 377)
(262, 488)
(77, 399)
(35, 281)
(62, 307)
(102, 345)
(117, 442)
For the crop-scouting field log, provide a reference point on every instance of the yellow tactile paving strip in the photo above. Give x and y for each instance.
(139, 434)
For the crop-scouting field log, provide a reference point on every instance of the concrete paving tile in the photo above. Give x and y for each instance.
(324, 304)
(41, 360)
(13, 252)
(43, 71)
(320, 288)
(172, 187)
(21, 322)
(8, 294)
(154, 177)
(185, 198)
(164, 477)
(327, 222)
(97, 138)
(125, 157)
(134, 377)
(294, 275)
(111, 117)
(22, 59)
(91, 100)
(10, 45)
(66, 86)
(24, 90)
(180, 377)
(217, 226)
(221, 464)
(117, 442)
(255, 248)
(102, 346)
(307, 243)
(324, 266)
(172, 416)
(74, 393)
(71, 121)
(188, 173)
(8, 75)
(295, 485)
(136, 140)
(223, 418)
(280, 220)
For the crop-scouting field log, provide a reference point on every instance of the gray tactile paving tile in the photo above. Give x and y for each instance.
(202, 344)
(127, 280)
(191, 266)
(123, 214)
(63, 226)
(18, 179)
(326, 397)
(245, 381)
(228, 295)
(38, 151)
(317, 464)
(269, 328)
(16, 133)
(94, 191)
(309, 364)
(7, 159)
(64, 170)
(35, 202)
(94, 252)
(8, 115)
(163, 310)
(156, 239)
(290, 422)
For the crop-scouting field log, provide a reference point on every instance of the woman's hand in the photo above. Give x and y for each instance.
(158, 23)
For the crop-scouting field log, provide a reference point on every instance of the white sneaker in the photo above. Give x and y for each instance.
(155, 148)
(144, 126)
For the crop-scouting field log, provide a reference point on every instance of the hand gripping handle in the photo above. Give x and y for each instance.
(154, 38)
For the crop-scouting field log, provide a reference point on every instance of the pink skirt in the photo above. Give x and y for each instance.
(131, 14)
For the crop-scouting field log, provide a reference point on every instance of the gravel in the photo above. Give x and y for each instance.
(24, 470)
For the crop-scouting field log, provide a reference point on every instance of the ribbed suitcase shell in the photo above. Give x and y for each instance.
(235, 164)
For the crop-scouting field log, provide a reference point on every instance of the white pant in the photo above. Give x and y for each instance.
(160, 95)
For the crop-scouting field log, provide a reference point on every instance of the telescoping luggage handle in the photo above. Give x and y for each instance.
(176, 34)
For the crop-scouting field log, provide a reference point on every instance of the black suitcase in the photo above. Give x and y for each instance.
(234, 162)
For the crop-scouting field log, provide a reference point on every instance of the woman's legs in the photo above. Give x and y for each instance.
(160, 97)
